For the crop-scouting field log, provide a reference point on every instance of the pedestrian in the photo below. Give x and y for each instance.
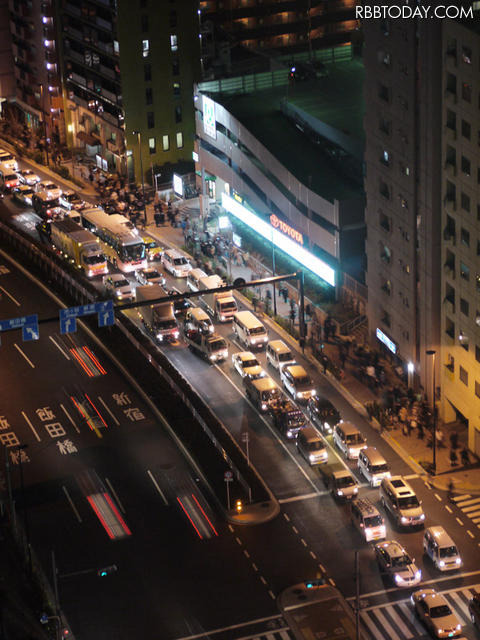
(465, 457)
(453, 458)
(420, 433)
(90, 177)
(439, 439)
(325, 363)
(308, 310)
(450, 487)
(454, 440)
(284, 294)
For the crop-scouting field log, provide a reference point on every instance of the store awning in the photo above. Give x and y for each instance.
(88, 138)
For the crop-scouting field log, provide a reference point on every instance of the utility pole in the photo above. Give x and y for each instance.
(139, 139)
(357, 595)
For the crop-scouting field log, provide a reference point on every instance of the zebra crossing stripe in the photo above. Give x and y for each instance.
(459, 605)
(472, 508)
(386, 625)
(476, 520)
(458, 499)
(410, 615)
(400, 624)
(371, 626)
(285, 636)
(474, 514)
(465, 503)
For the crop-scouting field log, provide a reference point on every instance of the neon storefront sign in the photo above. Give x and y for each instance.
(279, 239)
(390, 344)
(286, 228)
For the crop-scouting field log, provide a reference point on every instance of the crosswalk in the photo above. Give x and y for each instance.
(397, 621)
(470, 506)
(284, 634)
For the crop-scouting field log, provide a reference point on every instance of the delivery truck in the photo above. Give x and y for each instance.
(157, 318)
(79, 246)
(210, 346)
(220, 305)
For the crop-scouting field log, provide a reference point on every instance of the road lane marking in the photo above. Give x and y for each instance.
(157, 487)
(246, 554)
(459, 521)
(10, 296)
(255, 568)
(437, 497)
(470, 533)
(412, 476)
(74, 508)
(385, 625)
(332, 582)
(270, 428)
(295, 529)
(238, 541)
(70, 418)
(64, 353)
(205, 634)
(31, 426)
(460, 498)
(263, 580)
(115, 494)
(303, 542)
(448, 509)
(313, 555)
(306, 496)
(286, 516)
(322, 568)
(271, 595)
(469, 509)
(111, 414)
(26, 358)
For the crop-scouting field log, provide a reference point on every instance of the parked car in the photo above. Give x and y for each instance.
(118, 286)
(394, 561)
(434, 611)
(27, 176)
(150, 275)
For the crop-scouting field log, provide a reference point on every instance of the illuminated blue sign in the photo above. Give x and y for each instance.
(386, 341)
(280, 240)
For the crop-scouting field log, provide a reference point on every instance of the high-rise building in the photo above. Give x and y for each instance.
(459, 353)
(403, 126)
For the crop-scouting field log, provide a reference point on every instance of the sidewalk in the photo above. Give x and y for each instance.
(413, 450)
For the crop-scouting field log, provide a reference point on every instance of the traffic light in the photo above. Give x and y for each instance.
(106, 571)
(239, 506)
(318, 582)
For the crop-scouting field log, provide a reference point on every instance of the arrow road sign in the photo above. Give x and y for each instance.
(24, 323)
(30, 332)
(106, 316)
(67, 324)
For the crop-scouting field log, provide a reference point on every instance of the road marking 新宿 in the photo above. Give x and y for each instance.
(26, 358)
(31, 426)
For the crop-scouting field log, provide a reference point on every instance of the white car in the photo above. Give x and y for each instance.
(71, 200)
(50, 188)
(394, 561)
(23, 194)
(118, 286)
(348, 439)
(150, 275)
(27, 176)
(297, 382)
(435, 613)
(246, 364)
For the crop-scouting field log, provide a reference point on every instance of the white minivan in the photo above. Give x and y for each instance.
(176, 263)
(279, 354)
(193, 278)
(373, 466)
(249, 330)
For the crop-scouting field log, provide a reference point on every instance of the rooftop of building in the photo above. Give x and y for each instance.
(335, 99)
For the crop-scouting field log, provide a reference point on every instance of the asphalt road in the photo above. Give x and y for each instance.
(164, 582)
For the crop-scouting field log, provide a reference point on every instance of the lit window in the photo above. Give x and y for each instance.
(165, 143)
(152, 145)
(145, 48)
(176, 88)
(179, 140)
(173, 42)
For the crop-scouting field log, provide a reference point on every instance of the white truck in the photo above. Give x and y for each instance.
(210, 346)
(79, 246)
(158, 318)
(220, 305)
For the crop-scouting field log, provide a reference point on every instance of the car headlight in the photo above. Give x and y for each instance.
(264, 406)
(418, 575)
(254, 340)
(175, 334)
(222, 318)
(119, 295)
(355, 489)
(311, 457)
(290, 434)
(458, 627)
(398, 578)
(422, 517)
(458, 561)
(441, 563)
(339, 492)
(314, 392)
(404, 520)
(90, 273)
(327, 427)
(352, 451)
(159, 336)
(213, 357)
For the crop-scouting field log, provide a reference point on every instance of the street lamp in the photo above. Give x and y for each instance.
(410, 370)
(156, 176)
(44, 121)
(139, 139)
(432, 352)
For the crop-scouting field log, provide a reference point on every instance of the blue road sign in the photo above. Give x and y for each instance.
(104, 310)
(28, 325)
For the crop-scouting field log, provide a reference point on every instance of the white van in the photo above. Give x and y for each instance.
(176, 263)
(441, 549)
(193, 278)
(297, 382)
(8, 160)
(8, 177)
(249, 330)
(400, 501)
(279, 355)
(373, 466)
(197, 319)
(311, 446)
(367, 519)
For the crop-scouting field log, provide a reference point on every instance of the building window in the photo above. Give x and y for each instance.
(477, 281)
(384, 190)
(173, 42)
(385, 126)
(464, 375)
(384, 93)
(152, 145)
(466, 129)
(175, 68)
(145, 48)
(173, 18)
(464, 306)
(176, 88)
(178, 114)
(466, 55)
(386, 319)
(150, 119)
(384, 221)
(179, 140)
(144, 22)
(385, 158)
(467, 92)
(148, 95)
(165, 143)
(465, 237)
(387, 287)
(465, 202)
(385, 253)
(465, 166)
(464, 271)
(147, 72)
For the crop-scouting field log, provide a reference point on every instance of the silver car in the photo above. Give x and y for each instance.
(118, 286)
(435, 613)
(394, 561)
(150, 275)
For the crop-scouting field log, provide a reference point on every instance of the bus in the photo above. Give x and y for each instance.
(123, 248)
(314, 609)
